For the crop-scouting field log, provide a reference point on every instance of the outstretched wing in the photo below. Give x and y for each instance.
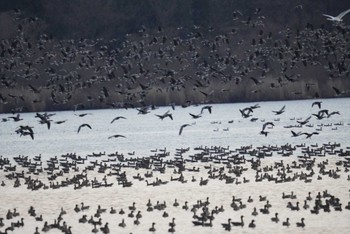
(84, 125)
(329, 16)
(182, 127)
(114, 119)
(341, 15)
(307, 119)
(116, 136)
(118, 117)
(267, 123)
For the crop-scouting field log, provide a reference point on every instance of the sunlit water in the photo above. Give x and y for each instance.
(147, 132)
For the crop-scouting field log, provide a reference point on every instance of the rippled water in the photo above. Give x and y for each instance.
(145, 133)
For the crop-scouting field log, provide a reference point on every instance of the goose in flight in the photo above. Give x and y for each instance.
(166, 114)
(116, 136)
(44, 119)
(25, 131)
(317, 104)
(333, 113)
(255, 106)
(16, 118)
(337, 18)
(246, 112)
(279, 111)
(304, 121)
(84, 114)
(84, 125)
(195, 116)
(294, 134)
(61, 121)
(182, 127)
(206, 107)
(262, 132)
(267, 123)
(116, 118)
(321, 114)
(143, 110)
(309, 135)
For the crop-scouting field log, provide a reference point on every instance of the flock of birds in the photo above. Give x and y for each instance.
(159, 67)
(146, 68)
(229, 167)
(246, 113)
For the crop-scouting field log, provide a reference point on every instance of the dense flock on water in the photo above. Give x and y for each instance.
(197, 167)
(228, 167)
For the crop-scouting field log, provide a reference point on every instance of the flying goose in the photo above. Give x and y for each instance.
(267, 123)
(116, 118)
(316, 104)
(166, 114)
(337, 18)
(206, 108)
(280, 111)
(182, 127)
(309, 135)
(116, 136)
(294, 134)
(304, 121)
(84, 125)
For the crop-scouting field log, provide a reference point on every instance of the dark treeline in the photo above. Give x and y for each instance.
(58, 55)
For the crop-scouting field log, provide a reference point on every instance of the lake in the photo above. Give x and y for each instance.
(147, 135)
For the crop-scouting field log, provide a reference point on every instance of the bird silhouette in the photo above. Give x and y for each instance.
(309, 135)
(82, 126)
(116, 136)
(16, 118)
(117, 118)
(337, 91)
(25, 131)
(166, 114)
(182, 127)
(60, 122)
(246, 112)
(317, 104)
(195, 116)
(279, 111)
(266, 124)
(209, 108)
(84, 114)
(333, 113)
(303, 122)
(294, 134)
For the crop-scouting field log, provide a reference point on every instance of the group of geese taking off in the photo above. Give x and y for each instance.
(249, 115)
(244, 61)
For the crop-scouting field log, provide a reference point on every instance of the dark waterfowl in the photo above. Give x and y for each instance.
(82, 126)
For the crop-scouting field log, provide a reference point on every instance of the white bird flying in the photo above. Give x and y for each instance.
(337, 18)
